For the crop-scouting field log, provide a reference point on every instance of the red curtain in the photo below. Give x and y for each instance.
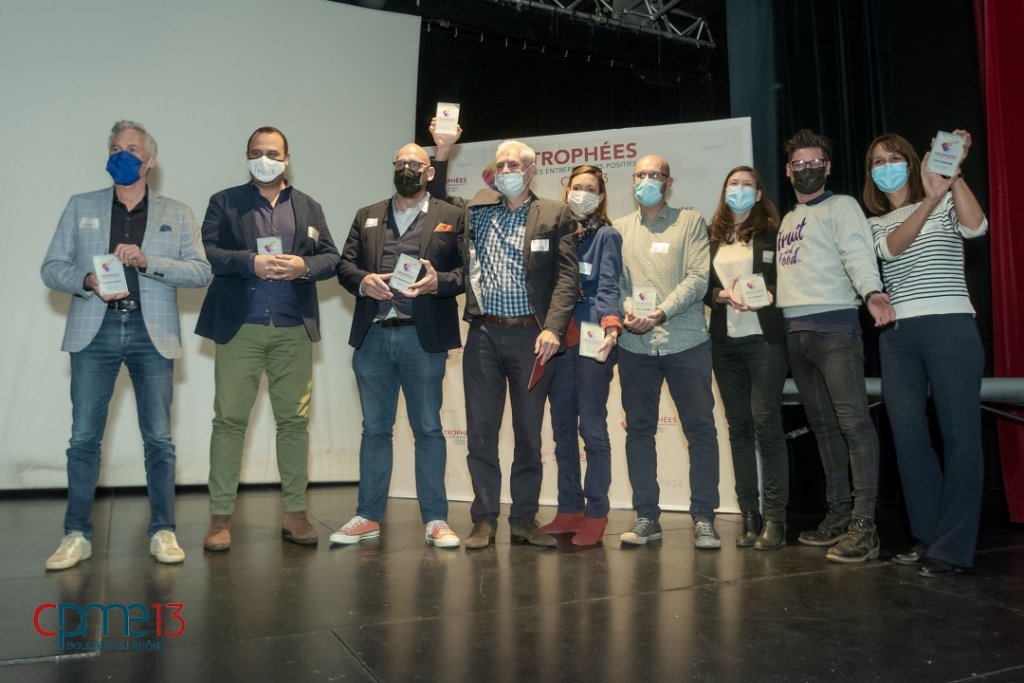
(1000, 25)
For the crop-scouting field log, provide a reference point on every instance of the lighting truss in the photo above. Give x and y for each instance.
(651, 17)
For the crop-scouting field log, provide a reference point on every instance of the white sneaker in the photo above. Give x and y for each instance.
(164, 547)
(357, 529)
(441, 535)
(73, 549)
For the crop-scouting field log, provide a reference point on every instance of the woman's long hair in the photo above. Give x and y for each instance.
(763, 215)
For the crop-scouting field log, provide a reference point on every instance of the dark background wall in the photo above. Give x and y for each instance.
(851, 69)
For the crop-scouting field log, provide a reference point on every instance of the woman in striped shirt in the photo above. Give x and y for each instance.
(919, 220)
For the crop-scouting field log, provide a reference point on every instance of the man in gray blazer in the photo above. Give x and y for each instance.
(157, 241)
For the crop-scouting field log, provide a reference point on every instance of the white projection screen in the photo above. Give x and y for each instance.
(340, 81)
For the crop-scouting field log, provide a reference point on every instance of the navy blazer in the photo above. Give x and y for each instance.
(229, 236)
(436, 315)
(770, 317)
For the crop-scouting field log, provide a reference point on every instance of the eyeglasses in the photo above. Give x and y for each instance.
(801, 164)
(653, 175)
(416, 166)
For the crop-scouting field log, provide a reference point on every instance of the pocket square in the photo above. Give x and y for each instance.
(165, 228)
(443, 227)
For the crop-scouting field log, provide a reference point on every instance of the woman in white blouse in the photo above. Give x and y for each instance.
(748, 350)
(919, 221)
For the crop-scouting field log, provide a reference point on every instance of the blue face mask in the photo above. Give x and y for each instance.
(740, 198)
(890, 177)
(648, 192)
(124, 167)
(510, 184)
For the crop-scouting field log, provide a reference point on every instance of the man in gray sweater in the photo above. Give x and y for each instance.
(826, 267)
(664, 278)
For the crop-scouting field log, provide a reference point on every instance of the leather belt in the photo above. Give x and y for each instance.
(124, 306)
(396, 322)
(516, 321)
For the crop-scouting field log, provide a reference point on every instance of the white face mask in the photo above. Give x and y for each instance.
(510, 184)
(266, 170)
(582, 203)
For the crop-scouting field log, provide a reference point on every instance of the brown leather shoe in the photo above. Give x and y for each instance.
(218, 536)
(529, 532)
(481, 536)
(296, 528)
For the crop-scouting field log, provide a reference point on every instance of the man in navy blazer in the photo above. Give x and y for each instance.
(402, 333)
(268, 244)
(156, 241)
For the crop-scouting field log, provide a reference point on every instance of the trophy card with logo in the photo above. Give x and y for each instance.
(645, 300)
(447, 118)
(591, 338)
(947, 151)
(110, 273)
(269, 245)
(406, 273)
(753, 290)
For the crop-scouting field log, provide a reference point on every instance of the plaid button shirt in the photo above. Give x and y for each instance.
(498, 234)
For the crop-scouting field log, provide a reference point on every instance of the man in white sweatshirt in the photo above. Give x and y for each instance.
(826, 267)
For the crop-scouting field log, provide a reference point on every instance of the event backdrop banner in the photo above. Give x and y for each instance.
(700, 156)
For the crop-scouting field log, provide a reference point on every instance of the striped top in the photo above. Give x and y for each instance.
(927, 278)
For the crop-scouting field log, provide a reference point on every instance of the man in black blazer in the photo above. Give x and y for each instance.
(522, 284)
(268, 243)
(402, 333)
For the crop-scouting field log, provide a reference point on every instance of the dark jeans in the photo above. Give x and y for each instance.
(829, 374)
(579, 407)
(499, 359)
(688, 374)
(122, 338)
(942, 353)
(389, 359)
(751, 373)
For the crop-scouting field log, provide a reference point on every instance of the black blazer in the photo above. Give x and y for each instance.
(229, 236)
(436, 315)
(770, 317)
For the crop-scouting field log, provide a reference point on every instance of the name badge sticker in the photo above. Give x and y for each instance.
(767, 256)
(586, 268)
(313, 233)
(370, 223)
(540, 244)
(89, 224)
(659, 248)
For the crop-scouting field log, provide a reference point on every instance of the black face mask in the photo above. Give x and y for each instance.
(407, 182)
(809, 180)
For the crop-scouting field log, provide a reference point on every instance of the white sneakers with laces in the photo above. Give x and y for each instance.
(74, 548)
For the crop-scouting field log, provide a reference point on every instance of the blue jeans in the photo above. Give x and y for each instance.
(942, 353)
(390, 358)
(688, 374)
(122, 338)
(829, 373)
(751, 373)
(579, 406)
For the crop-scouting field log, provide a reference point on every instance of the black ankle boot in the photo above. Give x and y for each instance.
(751, 528)
(773, 536)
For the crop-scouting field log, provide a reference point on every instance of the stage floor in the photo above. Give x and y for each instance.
(395, 610)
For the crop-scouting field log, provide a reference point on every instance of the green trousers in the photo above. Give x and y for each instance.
(286, 355)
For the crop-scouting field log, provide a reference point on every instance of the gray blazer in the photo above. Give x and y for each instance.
(174, 251)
